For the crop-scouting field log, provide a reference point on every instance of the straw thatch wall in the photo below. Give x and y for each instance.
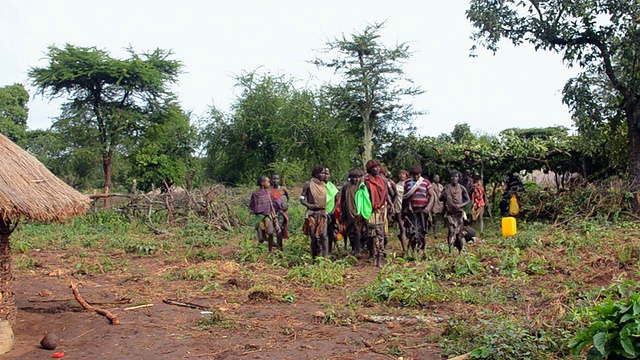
(28, 189)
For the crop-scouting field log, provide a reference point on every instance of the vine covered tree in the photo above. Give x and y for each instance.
(110, 96)
(600, 36)
(373, 84)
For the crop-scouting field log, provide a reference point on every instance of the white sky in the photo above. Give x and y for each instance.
(216, 40)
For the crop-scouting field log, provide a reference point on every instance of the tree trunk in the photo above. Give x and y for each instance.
(367, 142)
(106, 167)
(633, 121)
(7, 304)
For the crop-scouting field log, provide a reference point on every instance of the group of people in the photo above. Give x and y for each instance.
(361, 209)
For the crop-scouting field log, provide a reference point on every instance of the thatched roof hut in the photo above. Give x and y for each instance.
(28, 189)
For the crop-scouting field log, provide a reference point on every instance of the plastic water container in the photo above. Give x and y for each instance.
(509, 227)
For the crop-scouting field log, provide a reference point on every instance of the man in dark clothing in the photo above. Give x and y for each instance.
(314, 198)
(455, 198)
(419, 199)
(354, 223)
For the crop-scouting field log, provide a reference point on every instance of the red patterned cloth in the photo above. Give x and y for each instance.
(477, 198)
(377, 189)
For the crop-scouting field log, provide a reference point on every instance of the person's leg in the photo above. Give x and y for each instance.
(378, 244)
(313, 239)
(459, 238)
(281, 223)
(401, 234)
(324, 245)
(269, 233)
(481, 220)
(451, 230)
(354, 239)
(331, 237)
(422, 230)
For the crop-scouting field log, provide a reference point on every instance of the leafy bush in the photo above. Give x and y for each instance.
(615, 330)
(602, 200)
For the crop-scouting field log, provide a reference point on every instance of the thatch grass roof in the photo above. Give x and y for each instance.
(28, 189)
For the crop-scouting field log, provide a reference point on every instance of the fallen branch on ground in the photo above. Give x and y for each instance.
(106, 313)
(379, 319)
(138, 307)
(185, 304)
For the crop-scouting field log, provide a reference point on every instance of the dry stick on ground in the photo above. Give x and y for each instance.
(113, 318)
(185, 304)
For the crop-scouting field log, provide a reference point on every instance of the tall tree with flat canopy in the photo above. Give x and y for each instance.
(111, 94)
(600, 36)
(371, 90)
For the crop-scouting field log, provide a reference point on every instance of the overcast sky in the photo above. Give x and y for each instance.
(217, 40)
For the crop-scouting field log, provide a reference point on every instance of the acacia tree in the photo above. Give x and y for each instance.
(601, 36)
(111, 94)
(371, 90)
(14, 112)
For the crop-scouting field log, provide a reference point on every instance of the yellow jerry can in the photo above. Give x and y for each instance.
(509, 227)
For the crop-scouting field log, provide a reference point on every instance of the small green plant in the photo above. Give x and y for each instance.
(140, 247)
(625, 255)
(250, 250)
(537, 266)
(409, 286)
(288, 298)
(615, 330)
(501, 338)
(510, 261)
(468, 265)
(202, 255)
(25, 262)
(324, 272)
(215, 319)
(22, 245)
(295, 253)
(196, 273)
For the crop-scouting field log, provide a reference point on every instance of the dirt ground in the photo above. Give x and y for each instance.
(258, 327)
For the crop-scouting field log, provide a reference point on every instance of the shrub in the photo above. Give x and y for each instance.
(615, 330)
(501, 338)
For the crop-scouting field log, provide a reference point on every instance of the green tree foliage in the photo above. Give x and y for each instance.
(163, 153)
(462, 134)
(14, 113)
(69, 149)
(109, 97)
(600, 36)
(373, 83)
(274, 127)
(493, 157)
